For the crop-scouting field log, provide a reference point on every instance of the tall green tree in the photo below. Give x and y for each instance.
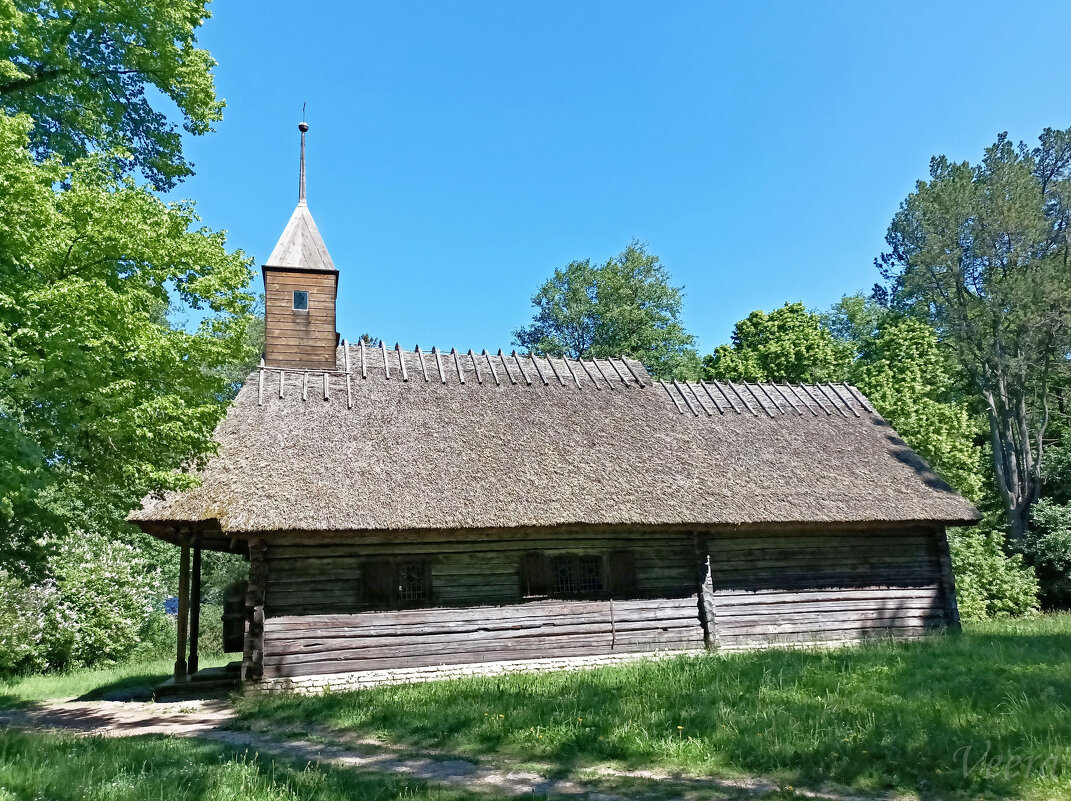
(87, 73)
(981, 253)
(624, 307)
(903, 372)
(101, 400)
(894, 360)
(788, 344)
(912, 382)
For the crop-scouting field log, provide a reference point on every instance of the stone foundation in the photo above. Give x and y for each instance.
(308, 685)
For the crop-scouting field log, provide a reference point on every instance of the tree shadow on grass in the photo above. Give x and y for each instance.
(66, 768)
(886, 716)
(141, 687)
(9, 701)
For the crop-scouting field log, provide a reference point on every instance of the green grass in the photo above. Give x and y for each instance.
(887, 716)
(63, 767)
(93, 683)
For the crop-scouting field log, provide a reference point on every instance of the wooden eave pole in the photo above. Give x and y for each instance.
(183, 611)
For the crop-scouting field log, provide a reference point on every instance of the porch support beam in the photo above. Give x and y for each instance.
(253, 653)
(195, 607)
(183, 611)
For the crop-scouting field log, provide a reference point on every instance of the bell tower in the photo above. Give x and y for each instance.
(300, 289)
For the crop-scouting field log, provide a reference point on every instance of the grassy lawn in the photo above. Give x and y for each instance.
(59, 767)
(94, 683)
(983, 715)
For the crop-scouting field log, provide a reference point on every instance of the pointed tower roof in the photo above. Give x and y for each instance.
(301, 247)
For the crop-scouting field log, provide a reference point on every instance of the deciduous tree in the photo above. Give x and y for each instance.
(625, 307)
(981, 252)
(88, 74)
(788, 344)
(101, 400)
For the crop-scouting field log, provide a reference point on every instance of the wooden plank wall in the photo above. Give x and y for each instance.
(305, 645)
(299, 339)
(316, 622)
(778, 589)
(325, 579)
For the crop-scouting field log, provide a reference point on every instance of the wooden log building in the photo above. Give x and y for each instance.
(408, 514)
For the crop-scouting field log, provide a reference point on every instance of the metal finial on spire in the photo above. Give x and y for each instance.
(302, 126)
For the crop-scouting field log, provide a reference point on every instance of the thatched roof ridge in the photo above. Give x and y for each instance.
(431, 439)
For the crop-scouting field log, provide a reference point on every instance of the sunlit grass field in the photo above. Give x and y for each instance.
(64, 767)
(983, 714)
(986, 714)
(94, 683)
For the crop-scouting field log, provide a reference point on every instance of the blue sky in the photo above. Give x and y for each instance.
(459, 152)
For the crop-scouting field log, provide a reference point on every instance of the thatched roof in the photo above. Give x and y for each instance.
(399, 440)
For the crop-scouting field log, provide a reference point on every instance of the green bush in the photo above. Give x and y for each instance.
(159, 637)
(989, 582)
(112, 595)
(1047, 546)
(211, 641)
(95, 608)
(36, 627)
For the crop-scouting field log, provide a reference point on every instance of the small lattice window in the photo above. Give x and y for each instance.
(590, 570)
(389, 584)
(563, 575)
(592, 575)
(301, 300)
(412, 583)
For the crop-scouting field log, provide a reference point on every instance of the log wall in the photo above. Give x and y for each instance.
(823, 587)
(321, 644)
(720, 590)
(325, 579)
(318, 623)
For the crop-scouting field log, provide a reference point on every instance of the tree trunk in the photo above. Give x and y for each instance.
(1015, 467)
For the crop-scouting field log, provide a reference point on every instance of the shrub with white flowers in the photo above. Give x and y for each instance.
(95, 608)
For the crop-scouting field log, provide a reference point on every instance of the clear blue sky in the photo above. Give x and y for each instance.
(459, 152)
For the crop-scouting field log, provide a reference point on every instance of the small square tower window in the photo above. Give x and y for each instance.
(301, 300)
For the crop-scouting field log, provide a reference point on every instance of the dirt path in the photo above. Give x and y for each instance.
(210, 720)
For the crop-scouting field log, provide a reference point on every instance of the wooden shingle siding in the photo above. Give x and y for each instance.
(827, 587)
(322, 644)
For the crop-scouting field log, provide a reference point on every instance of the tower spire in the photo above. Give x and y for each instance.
(302, 126)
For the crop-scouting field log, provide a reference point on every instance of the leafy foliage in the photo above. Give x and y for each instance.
(34, 626)
(96, 610)
(625, 307)
(903, 372)
(990, 583)
(788, 344)
(101, 400)
(982, 254)
(1047, 546)
(86, 72)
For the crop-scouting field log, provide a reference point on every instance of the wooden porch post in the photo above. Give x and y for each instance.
(195, 607)
(253, 652)
(183, 611)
